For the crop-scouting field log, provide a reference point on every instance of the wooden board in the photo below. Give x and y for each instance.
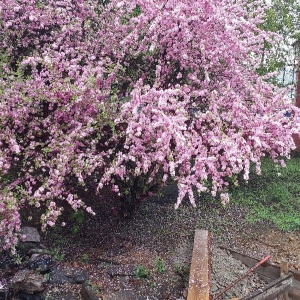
(274, 289)
(199, 280)
(272, 274)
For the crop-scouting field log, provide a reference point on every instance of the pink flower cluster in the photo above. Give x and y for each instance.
(131, 89)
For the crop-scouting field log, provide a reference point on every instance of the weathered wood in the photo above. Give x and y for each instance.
(294, 292)
(284, 270)
(284, 267)
(270, 272)
(272, 290)
(199, 280)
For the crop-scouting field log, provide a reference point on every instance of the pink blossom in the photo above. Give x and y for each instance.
(170, 92)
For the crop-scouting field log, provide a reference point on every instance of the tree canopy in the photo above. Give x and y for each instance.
(282, 18)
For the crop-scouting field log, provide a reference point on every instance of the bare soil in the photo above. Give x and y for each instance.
(150, 251)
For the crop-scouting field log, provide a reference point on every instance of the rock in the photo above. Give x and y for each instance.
(80, 278)
(87, 293)
(27, 281)
(31, 235)
(26, 296)
(62, 275)
(41, 262)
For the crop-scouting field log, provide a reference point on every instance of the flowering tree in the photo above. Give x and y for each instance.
(131, 93)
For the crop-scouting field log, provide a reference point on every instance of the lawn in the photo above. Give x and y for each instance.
(274, 195)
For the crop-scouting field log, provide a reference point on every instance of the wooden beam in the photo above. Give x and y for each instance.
(269, 273)
(272, 290)
(199, 280)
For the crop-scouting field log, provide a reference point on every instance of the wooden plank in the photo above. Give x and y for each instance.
(267, 269)
(199, 280)
(270, 272)
(272, 290)
(296, 276)
(294, 292)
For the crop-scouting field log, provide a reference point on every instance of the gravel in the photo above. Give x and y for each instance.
(225, 270)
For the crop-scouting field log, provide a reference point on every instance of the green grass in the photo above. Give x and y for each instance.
(57, 254)
(159, 265)
(141, 272)
(272, 197)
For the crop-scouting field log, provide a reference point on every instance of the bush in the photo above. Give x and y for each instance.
(129, 94)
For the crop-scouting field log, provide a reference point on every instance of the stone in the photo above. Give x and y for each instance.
(31, 235)
(62, 275)
(40, 262)
(27, 281)
(26, 296)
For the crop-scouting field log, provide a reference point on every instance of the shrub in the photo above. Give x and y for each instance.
(129, 94)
